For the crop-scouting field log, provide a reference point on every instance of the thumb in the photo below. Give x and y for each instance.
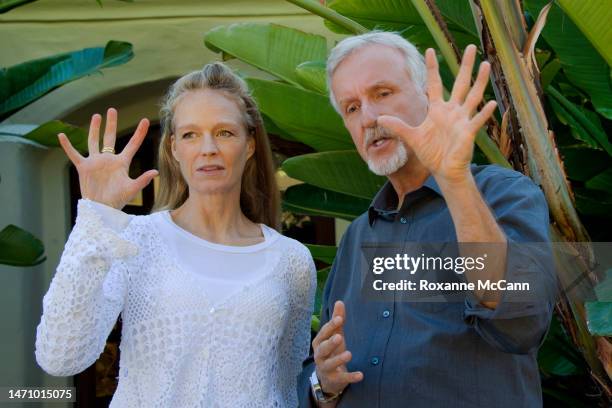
(145, 178)
(398, 127)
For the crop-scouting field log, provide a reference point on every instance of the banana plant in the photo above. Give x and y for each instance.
(521, 85)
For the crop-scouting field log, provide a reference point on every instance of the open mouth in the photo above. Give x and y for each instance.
(379, 142)
(210, 169)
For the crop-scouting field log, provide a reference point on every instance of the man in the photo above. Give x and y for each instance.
(480, 352)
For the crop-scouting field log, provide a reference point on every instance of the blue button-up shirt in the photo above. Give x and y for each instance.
(444, 354)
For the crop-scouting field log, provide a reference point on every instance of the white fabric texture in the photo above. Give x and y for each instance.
(181, 346)
(225, 273)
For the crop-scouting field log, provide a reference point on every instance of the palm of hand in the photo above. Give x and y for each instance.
(444, 142)
(104, 177)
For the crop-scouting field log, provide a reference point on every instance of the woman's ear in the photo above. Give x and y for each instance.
(250, 146)
(173, 147)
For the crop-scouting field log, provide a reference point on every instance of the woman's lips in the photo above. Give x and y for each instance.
(210, 169)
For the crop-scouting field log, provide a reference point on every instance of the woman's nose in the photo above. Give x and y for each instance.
(208, 145)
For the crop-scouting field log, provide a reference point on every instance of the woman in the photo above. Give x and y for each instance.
(215, 302)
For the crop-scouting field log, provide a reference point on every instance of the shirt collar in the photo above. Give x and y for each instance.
(385, 201)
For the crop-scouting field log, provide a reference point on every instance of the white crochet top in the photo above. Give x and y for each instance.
(178, 347)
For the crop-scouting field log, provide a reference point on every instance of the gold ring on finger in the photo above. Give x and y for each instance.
(108, 149)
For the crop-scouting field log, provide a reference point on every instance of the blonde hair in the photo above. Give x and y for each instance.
(259, 195)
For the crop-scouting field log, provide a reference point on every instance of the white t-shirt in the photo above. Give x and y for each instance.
(225, 275)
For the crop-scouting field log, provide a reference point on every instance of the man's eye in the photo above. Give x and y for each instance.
(351, 108)
(384, 93)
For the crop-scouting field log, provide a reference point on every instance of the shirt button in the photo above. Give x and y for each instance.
(386, 314)
(374, 361)
(403, 220)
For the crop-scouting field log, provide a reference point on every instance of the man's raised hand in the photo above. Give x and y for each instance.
(444, 141)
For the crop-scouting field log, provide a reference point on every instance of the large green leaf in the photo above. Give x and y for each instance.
(271, 128)
(399, 12)
(593, 19)
(311, 200)
(599, 318)
(341, 171)
(400, 15)
(312, 75)
(585, 124)
(602, 181)
(6, 5)
(557, 356)
(581, 62)
(322, 275)
(582, 163)
(271, 47)
(22, 84)
(305, 115)
(323, 253)
(599, 313)
(603, 290)
(20, 248)
(593, 202)
(460, 14)
(45, 134)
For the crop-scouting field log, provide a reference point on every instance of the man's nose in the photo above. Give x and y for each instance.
(369, 114)
(208, 145)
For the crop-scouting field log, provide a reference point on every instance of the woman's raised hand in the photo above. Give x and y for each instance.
(104, 176)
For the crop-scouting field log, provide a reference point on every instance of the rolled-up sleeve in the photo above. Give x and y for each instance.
(521, 319)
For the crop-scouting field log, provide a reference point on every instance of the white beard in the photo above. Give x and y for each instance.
(390, 163)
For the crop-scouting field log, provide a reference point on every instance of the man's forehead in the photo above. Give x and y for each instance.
(367, 68)
(374, 52)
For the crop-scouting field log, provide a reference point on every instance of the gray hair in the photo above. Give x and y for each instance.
(415, 63)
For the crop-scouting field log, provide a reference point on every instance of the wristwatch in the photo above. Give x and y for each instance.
(318, 393)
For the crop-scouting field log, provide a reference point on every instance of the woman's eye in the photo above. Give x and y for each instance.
(225, 133)
(384, 93)
(351, 108)
(188, 135)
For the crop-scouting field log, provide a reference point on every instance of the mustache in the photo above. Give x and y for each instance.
(376, 132)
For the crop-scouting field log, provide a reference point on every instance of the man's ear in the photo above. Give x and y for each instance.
(250, 146)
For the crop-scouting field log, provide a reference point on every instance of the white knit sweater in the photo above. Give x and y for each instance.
(178, 349)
